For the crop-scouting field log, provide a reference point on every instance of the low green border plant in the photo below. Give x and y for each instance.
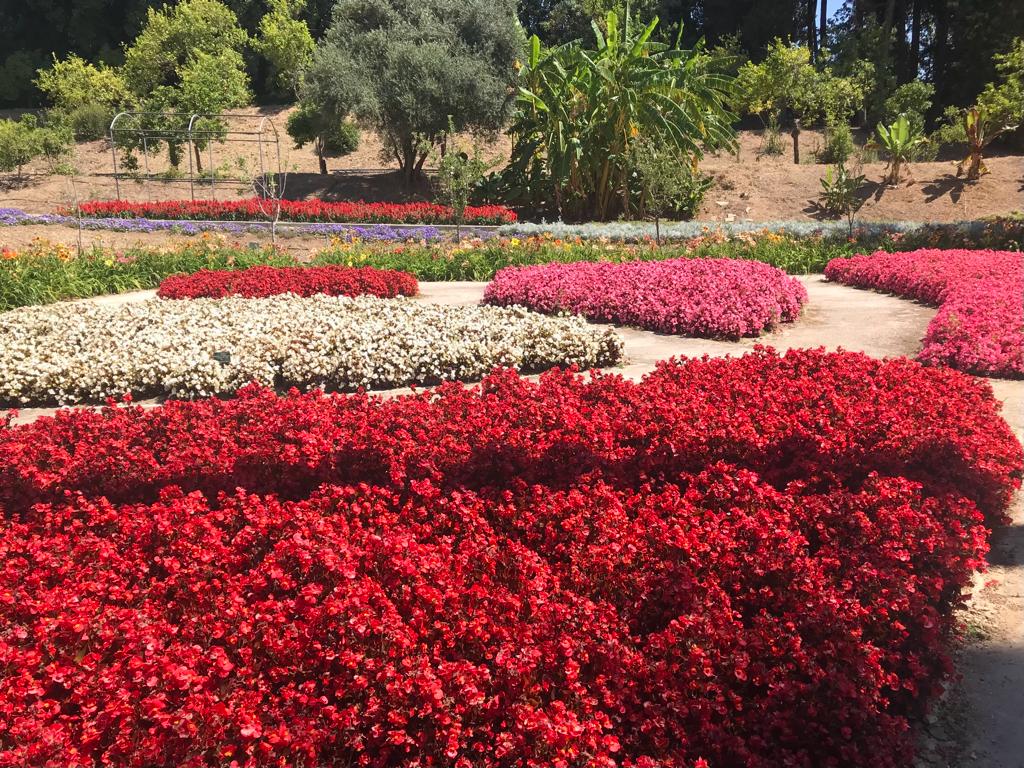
(45, 272)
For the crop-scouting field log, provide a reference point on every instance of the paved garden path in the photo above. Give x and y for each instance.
(981, 725)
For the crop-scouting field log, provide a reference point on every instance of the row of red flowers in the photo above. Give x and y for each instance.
(726, 298)
(298, 210)
(980, 323)
(256, 282)
(747, 562)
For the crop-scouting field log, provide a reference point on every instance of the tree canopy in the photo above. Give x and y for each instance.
(404, 67)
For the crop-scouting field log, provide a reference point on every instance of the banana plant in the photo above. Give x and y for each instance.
(900, 141)
(980, 130)
(580, 111)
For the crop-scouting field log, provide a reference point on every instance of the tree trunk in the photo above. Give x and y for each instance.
(822, 27)
(915, 40)
(199, 158)
(407, 162)
(940, 50)
(812, 36)
(323, 163)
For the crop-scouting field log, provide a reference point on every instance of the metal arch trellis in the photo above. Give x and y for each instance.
(265, 136)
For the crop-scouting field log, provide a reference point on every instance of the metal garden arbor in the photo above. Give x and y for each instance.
(143, 129)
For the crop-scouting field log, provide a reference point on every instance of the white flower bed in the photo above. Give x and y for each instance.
(70, 353)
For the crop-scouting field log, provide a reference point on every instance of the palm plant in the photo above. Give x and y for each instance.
(900, 140)
(580, 111)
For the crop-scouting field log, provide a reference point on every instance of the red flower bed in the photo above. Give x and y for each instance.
(980, 323)
(297, 210)
(749, 562)
(697, 297)
(256, 282)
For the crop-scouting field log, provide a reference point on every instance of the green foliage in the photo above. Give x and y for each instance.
(73, 82)
(16, 72)
(24, 140)
(84, 97)
(670, 185)
(999, 110)
(838, 144)
(772, 143)
(285, 41)
(580, 112)
(88, 122)
(899, 141)
(839, 193)
(403, 66)
(913, 99)
(330, 137)
(173, 36)
(187, 59)
(46, 273)
(458, 173)
(786, 80)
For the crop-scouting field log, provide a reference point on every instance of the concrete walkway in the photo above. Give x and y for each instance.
(981, 724)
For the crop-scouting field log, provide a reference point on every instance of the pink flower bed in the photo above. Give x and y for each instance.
(720, 298)
(980, 323)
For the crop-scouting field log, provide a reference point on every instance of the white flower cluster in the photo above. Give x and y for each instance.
(81, 352)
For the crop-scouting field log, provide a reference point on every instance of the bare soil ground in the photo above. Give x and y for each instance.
(748, 185)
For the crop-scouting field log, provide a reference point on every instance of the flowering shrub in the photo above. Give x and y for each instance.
(256, 282)
(980, 323)
(748, 561)
(70, 353)
(298, 210)
(697, 297)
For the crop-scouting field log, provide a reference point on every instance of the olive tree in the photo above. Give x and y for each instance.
(401, 67)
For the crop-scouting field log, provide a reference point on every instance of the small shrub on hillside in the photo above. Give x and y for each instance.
(838, 144)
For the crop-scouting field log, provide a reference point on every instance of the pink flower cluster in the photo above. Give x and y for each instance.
(260, 281)
(980, 294)
(750, 562)
(716, 298)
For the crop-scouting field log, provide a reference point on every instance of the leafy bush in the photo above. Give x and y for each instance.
(89, 122)
(838, 144)
(913, 99)
(839, 193)
(980, 294)
(515, 574)
(670, 183)
(84, 97)
(715, 298)
(330, 137)
(24, 140)
(186, 60)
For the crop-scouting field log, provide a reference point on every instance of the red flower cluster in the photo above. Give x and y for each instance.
(256, 282)
(297, 210)
(726, 298)
(748, 562)
(980, 323)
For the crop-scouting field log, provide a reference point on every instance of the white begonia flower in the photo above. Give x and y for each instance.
(82, 352)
